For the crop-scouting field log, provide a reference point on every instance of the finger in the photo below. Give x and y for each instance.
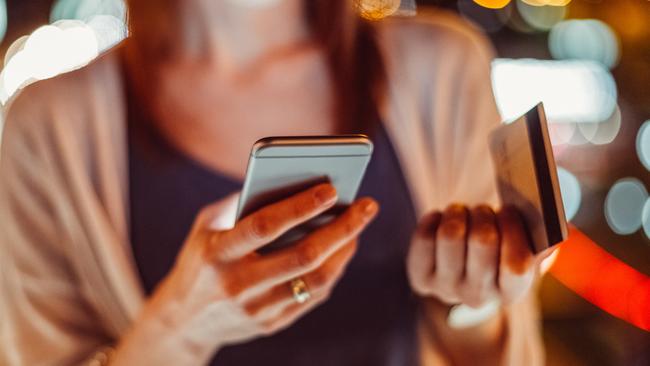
(312, 251)
(450, 251)
(481, 266)
(292, 313)
(321, 280)
(421, 256)
(219, 215)
(267, 224)
(516, 265)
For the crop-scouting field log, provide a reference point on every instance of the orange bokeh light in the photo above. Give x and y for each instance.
(498, 4)
(492, 4)
(547, 2)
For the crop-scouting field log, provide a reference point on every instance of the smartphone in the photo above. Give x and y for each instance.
(527, 177)
(279, 167)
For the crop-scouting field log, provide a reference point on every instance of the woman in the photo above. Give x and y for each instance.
(117, 216)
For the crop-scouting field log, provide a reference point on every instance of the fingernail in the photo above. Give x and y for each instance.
(325, 193)
(370, 207)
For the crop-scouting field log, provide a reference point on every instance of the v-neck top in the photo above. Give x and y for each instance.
(369, 318)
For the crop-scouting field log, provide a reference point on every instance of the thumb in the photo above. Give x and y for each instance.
(219, 215)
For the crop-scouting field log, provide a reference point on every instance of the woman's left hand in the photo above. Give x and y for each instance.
(471, 255)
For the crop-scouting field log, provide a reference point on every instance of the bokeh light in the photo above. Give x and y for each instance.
(547, 2)
(406, 8)
(492, 4)
(3, 19)
(541, 17)
(377, 9)
(643, 144)
(14, 48)
(645, 218)
(561, 133)
(108, 29)
(573, 91)
(604, 132)
(585, 39)
(81, 29)
(624, 205)
(86, 9)
(66, 45)
(489, 19)
(571, 193)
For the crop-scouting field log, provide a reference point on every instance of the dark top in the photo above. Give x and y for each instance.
(370, 318)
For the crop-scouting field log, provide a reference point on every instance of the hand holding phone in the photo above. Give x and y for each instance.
(220, 291)
(281, 166)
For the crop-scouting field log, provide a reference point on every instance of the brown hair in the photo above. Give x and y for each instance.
(353, 54)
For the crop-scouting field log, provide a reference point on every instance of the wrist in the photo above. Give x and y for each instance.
(153, 340)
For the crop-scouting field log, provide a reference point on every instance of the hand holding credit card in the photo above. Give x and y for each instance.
(527, 177)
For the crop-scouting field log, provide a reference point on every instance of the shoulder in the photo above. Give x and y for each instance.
(61, 102)
(433, 37)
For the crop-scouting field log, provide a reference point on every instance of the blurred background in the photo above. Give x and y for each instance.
(587, 60)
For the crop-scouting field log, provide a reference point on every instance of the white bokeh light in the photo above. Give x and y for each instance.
(643, 144)
(541, 17)
(3, 19)
(14, 48)
(584, 39)
(108, 29)
(571, 193)
(86, 9)
(49, 51)
(81, 29)
(604, 132)
(645, 218)
(573, 91)
(624, 205)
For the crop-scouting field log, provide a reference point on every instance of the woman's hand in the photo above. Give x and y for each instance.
(221, 291)
(471, 255)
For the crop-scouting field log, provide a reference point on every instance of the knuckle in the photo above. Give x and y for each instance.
(260, 226)
(456, 209)
(349, 227)
(429, 225)
(453, 228)
(250, 311)
(484, 210)
(232, 287)
(307, 255)
(486, 234)
(320, 278)
(352, 222)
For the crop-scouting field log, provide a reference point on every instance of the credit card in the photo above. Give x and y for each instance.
(527, 177)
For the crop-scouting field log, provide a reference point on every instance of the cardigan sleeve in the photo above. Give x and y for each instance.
(44, 318)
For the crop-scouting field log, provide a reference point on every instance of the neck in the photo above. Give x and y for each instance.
(234, 34)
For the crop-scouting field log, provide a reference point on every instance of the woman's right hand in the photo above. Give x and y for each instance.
(221, 291)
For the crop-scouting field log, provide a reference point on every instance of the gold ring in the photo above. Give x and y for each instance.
(300, 290)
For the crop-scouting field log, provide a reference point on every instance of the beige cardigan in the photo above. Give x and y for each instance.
(68, 280)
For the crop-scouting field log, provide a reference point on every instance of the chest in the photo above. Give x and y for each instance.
(216, 121)
(168, 188)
